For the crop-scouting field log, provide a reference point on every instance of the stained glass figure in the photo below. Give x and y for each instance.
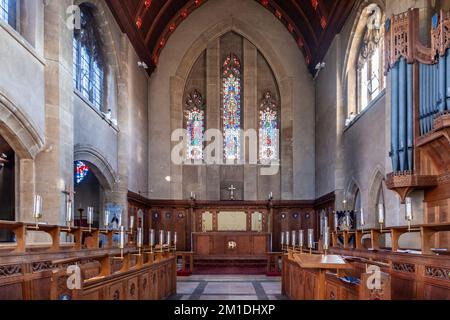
(268, 129)
(195, 125)
(232, 107)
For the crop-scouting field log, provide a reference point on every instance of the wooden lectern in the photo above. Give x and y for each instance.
(322, 263)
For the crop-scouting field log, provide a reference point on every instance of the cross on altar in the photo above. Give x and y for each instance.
(232, 189)
(70, 193)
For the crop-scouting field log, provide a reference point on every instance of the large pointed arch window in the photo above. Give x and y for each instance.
(88, 73)
(232, 108)
(195, 125)
(371, 80)
(268, 129)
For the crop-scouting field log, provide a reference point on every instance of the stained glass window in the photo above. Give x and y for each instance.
(371, 80)
(195, 125)
(268, 129)
(87, 61)
(81, 171)
(8, 12)
(232, 107)
(4, 10)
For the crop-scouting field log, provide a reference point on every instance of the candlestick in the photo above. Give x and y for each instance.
(106, 220)
(310, 239)
(69, 215)
(282, 238)
(381, 213)
(90, 217)
(288, 238)
(409, 212)
(348, 220)
(301, 238)
(122, 238)
(161, 238)
(169, 238)
(139, 240)
(294, 238)
(37, 210)
(151, 238)
(336, 221)
(362, 220)
(131, 223)
(326, 240)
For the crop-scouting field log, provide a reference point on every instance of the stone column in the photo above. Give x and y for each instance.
(54, 166)
(119, 194)
(250, 120)
(213, 114)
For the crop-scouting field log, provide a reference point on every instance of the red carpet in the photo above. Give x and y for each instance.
(236, 270)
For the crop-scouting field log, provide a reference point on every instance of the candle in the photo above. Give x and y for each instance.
(381, 213)
(294, 238)
(310, 238)
(282, 238)
(409, 212)
(336, 221)
(106, 219)
(362, 221)
(37, 210)
(131, 222)
(90, 216)
(151, 239)
(139, 237)
(348, 220)
(326, 239)
(175, 238)
(169, 235)
(161, 237)
(69, 212)
(301, 238)
(287, 238)
(122, 238)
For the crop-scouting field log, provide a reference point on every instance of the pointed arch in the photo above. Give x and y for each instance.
(376, 185)
(18, 130)
(100, 165)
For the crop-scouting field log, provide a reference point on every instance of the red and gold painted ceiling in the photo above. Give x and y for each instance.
(150, 23)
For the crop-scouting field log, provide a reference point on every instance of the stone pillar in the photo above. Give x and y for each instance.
(287, 138)
(54, 166)
(339, 178)
(213, 114)
(250, 119)
(119, 194)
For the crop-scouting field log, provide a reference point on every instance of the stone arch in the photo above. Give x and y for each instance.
(282, 79)
(231, 25)
(351, 53)
(352, 189)
(18, 130)
(100, 165)
(376, 182)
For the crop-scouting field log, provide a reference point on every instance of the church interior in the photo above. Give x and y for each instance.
(225, 150)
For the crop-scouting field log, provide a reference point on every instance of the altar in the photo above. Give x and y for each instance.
(230, 245)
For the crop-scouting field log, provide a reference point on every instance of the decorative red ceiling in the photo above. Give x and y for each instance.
(150, 23)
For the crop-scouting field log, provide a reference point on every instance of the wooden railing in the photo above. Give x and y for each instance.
(26, 270)
(146, 276)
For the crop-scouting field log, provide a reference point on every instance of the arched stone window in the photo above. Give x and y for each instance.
(8, 12)
(88, 66)
(370, 77)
